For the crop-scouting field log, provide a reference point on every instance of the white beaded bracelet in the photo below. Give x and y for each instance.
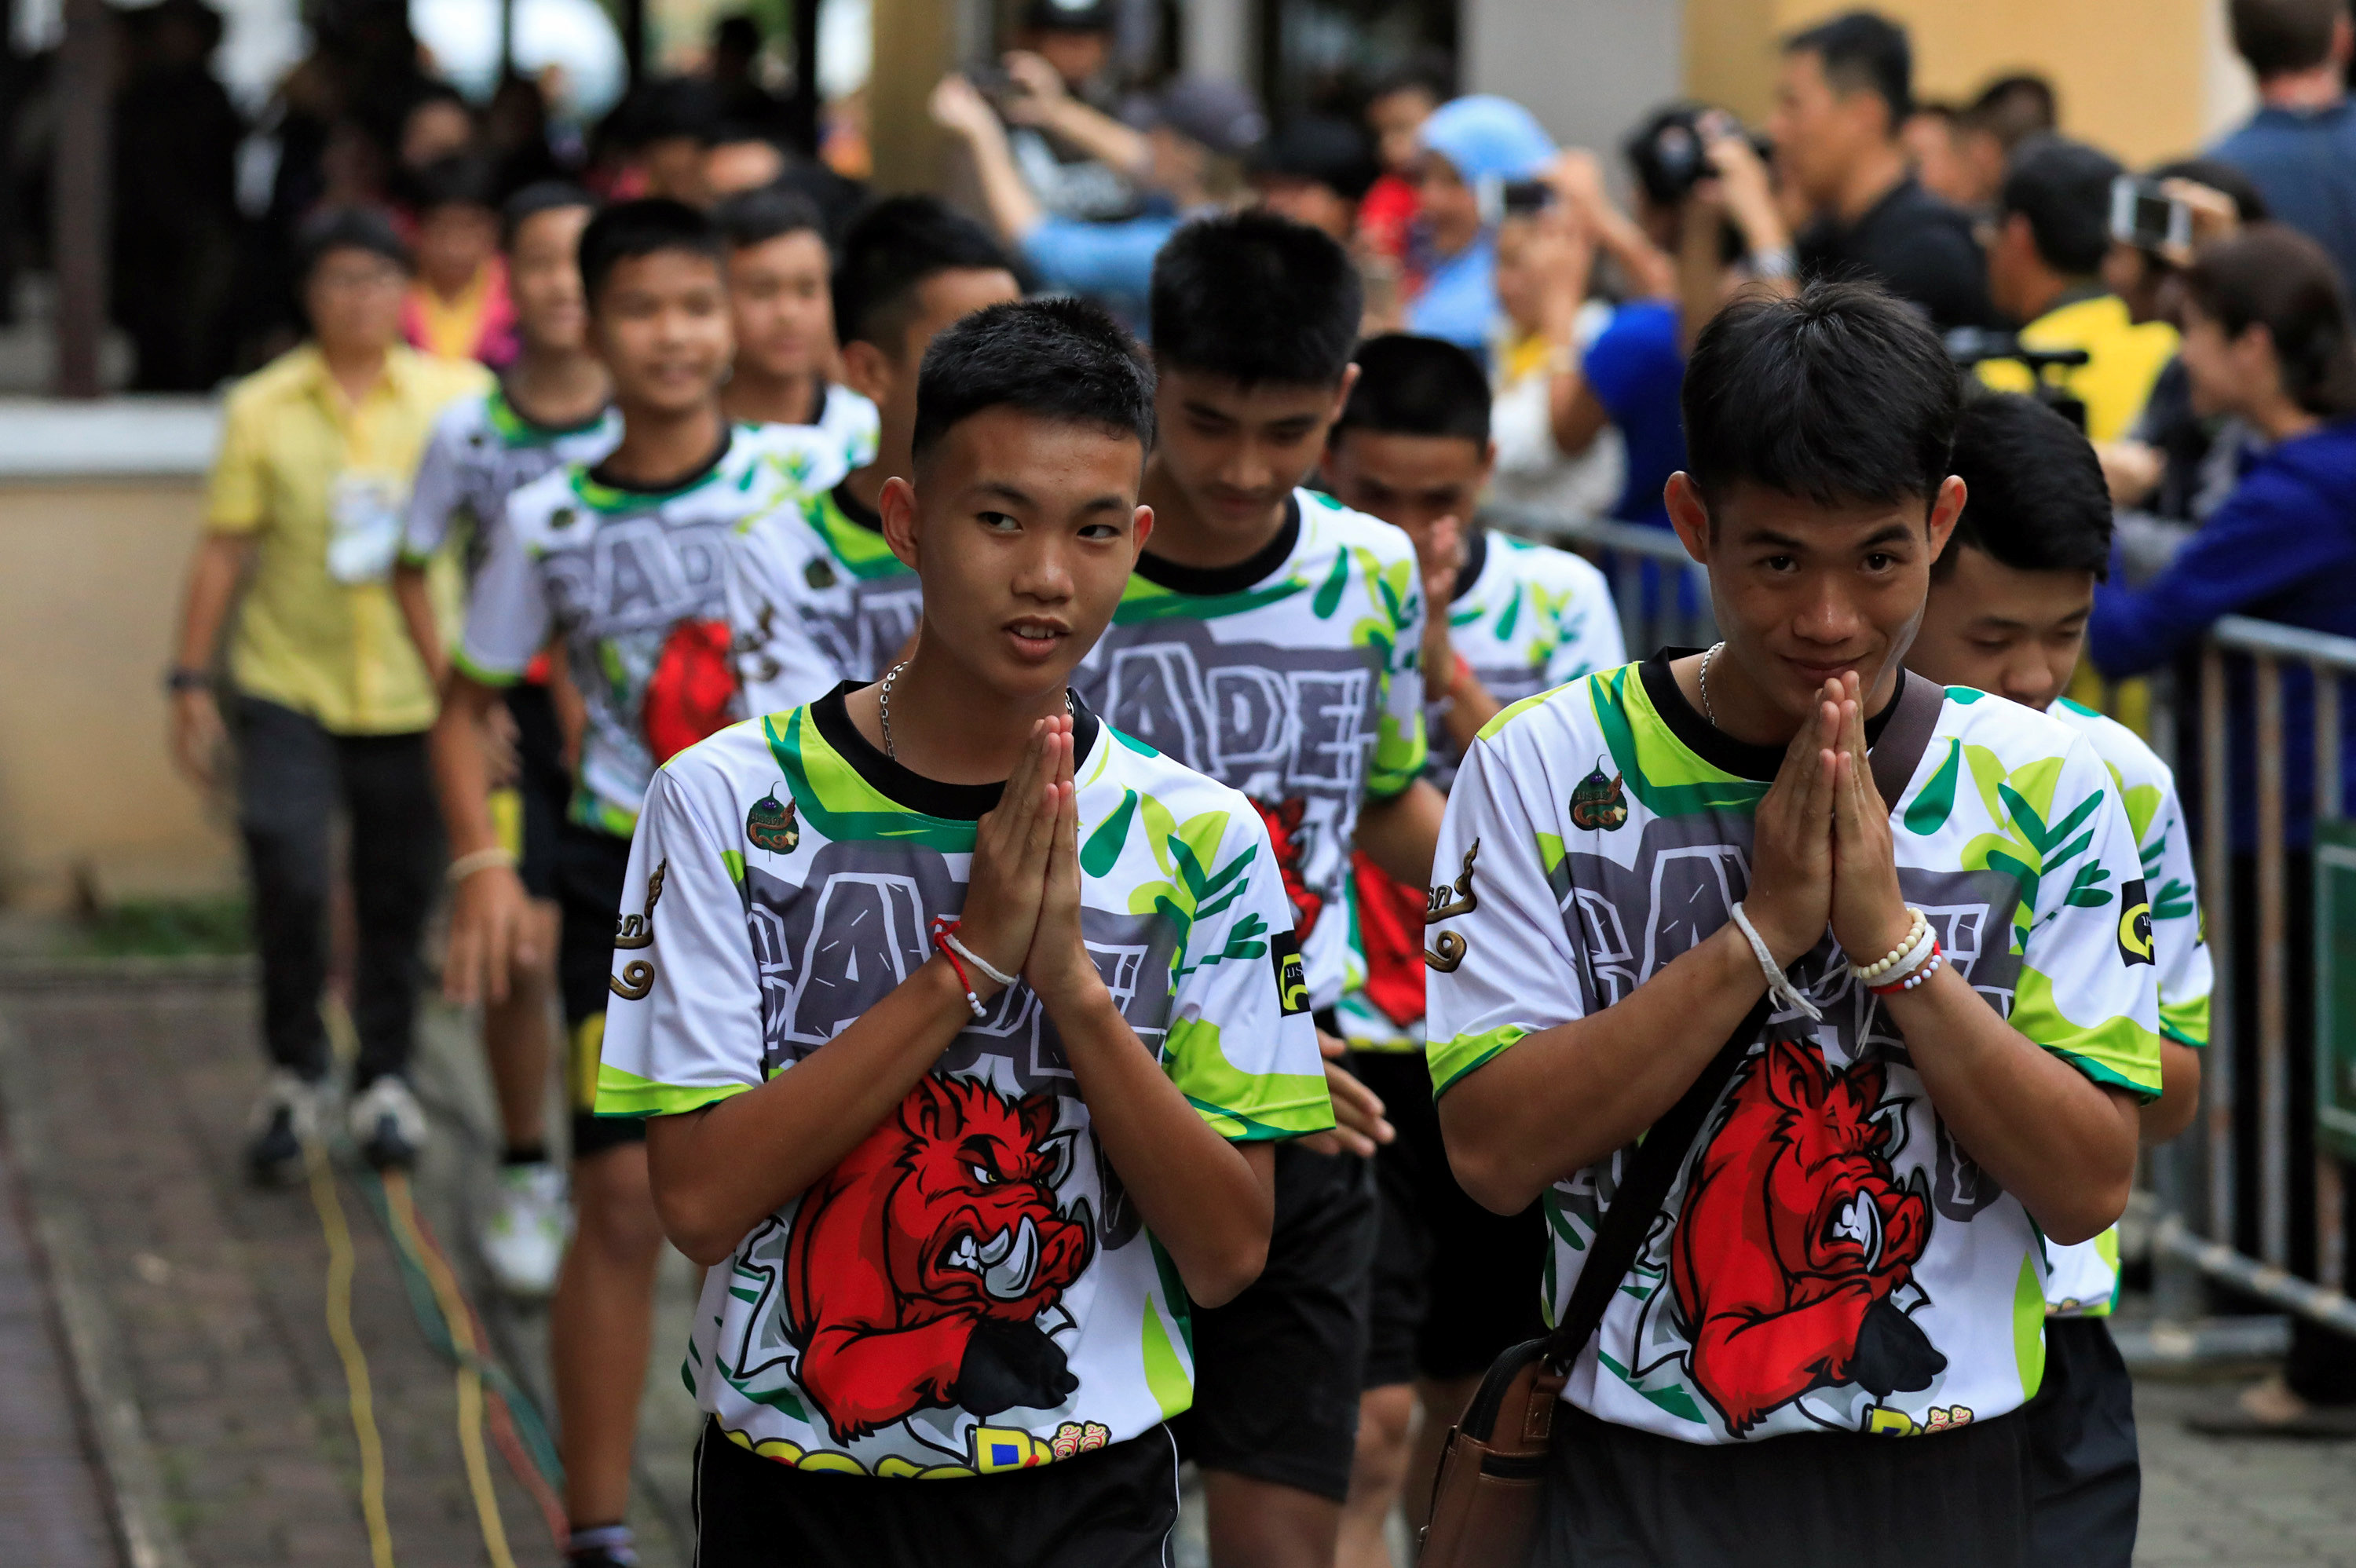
(467, 865)
(1917, 933)
(1779, 985)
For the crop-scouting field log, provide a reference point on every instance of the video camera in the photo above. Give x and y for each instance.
(1970, 346)
(1670, 151)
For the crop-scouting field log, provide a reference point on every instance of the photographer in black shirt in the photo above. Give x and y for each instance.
(1844, 91)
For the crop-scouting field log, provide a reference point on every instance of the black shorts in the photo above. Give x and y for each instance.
(1619, 1498)
(1277, 1370)
(1113, 1509)
(1454, 1285)
(591, 868)
(2085, 1479)
(543, 788)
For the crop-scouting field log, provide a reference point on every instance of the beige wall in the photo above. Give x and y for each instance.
(87, 607)
(2144, 78)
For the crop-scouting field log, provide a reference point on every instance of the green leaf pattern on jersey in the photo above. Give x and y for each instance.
(831, 796)
(2031, 842)
(861, 551)
(1670, 780)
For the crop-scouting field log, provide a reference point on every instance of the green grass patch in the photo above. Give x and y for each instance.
(164, 928)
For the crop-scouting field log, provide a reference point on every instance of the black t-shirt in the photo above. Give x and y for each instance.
(1913, 244)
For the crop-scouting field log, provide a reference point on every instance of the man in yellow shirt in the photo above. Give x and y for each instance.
(2044, 267)
(329, 700)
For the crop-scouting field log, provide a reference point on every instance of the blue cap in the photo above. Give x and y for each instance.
(1488, 137)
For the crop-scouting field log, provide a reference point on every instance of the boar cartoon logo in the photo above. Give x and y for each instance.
(1793, 1235)
(1283, 822)
(918, 1264)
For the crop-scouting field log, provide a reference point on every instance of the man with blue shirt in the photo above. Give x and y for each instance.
(2299, 148)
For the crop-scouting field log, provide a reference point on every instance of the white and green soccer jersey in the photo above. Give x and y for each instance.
(851, 421)
(482, 450)
(635, 583)
(814, 597)
(1526, 617)
(1291, 676)
(972, 1289)
(1830, 1259)
(2083, 1281)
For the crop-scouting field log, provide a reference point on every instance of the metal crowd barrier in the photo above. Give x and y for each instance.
(2188, 1197)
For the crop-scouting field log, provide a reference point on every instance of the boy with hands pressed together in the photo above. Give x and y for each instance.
(1962, 1015)
(962, 1089)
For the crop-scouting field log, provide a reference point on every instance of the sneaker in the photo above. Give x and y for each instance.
(287, 1118)
(523, 1237)
(603, 1546)
(388, 1124)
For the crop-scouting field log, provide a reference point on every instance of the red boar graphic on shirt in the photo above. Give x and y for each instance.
(1284, 822)
(918, 1265)
(1794, 1233)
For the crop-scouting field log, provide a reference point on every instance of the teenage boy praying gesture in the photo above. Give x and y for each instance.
(963, 1026)
(1963, 1013)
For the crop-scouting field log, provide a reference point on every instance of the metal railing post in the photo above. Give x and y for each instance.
(2217, 879)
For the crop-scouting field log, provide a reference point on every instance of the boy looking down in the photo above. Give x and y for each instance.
(623, 561)
(961, 1023)
(815, 594)
(1268, 637)
(2010, 600)
(550, 408)
(1962, 1022)
(784, 322)
(1453, 1283)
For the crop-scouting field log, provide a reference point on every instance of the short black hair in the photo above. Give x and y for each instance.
(1429, 70)
(2249, 202)
(757, 217)
(2014, 108)
(2272, 276)
(1062, 359)
(1841, 395)
(460, 179)
(888, 254)
(629, 229)
(1862, 51)
(540, 195)
(2064, 188)
(1417, 386)
(2279, 36)
(349, 229)
(1255, 297)
(2036, 498)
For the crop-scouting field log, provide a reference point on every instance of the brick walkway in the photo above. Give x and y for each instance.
(214, 1293)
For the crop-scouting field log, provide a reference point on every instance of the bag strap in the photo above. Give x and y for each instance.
(1914, 713)
(1642, 1187)
(1645, 1183)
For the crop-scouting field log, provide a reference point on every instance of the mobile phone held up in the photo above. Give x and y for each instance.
(2144, 216)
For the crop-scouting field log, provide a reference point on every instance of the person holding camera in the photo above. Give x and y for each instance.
(2269, 338)
(1844, 89)
(1066, 47)
(2045, 270)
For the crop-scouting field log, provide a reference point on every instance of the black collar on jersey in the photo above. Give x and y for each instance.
(603, 474)
(856, 510)
(819, 396)
(961, 803)
(1714, 745)
(539, 426)
(1476, 556)
(1243, 574)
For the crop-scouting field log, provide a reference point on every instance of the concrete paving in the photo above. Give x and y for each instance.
(206, 1300)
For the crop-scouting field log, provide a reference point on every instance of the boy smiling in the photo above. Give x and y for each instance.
(962, 1023)
(1963, 1018)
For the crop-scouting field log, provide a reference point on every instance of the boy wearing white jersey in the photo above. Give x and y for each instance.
(783, 317)
(1270, 638)
(1505, 618)
(815, 594)
(550, 408)
(624, 561)
(1960, 1019)
(962, 1024)
(2010, 600)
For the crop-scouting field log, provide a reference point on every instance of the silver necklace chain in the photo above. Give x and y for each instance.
(1709, 655)
(884, 705)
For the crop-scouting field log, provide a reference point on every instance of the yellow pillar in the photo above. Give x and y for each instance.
(2136, 76)
(915, 45)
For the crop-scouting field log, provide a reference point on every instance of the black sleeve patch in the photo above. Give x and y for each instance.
(1291, 975)
(2134, 924)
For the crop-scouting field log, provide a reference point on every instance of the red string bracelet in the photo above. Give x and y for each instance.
(942, 928)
